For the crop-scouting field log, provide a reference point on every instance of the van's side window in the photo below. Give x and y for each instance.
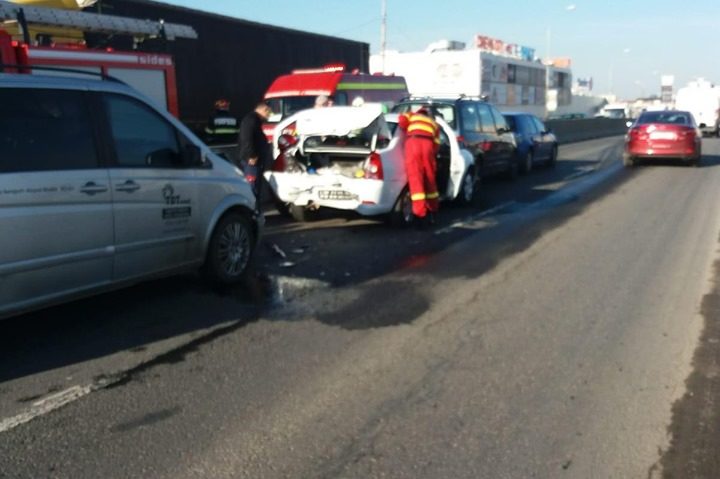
(45, 130)
(142, 138)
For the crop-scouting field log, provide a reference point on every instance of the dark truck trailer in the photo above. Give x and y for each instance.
(232, 58)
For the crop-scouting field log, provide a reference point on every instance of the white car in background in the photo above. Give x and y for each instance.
(352, 158)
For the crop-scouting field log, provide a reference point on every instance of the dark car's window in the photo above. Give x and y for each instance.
(528, 125)
(42, 130)
(539, 125)
(668, 117)
(486, 119)
(470, 118)
(142, 137)
(513, 123)
(500, 122)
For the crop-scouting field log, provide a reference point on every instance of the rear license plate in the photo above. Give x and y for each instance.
(336, 195)
(663, 135)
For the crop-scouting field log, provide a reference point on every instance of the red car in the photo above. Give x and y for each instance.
(663, 134)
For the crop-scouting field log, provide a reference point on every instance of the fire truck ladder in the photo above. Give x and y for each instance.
(91, 22)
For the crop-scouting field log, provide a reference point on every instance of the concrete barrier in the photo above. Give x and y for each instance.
(569, 131)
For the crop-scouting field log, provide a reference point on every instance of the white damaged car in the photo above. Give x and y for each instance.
(352, 158)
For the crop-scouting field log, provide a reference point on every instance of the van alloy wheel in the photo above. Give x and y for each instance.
(230, 249)
(234, 249)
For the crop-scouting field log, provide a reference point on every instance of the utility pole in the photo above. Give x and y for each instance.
(383, 33)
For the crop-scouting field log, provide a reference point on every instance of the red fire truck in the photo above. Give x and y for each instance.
(150, 73)
(298, 90)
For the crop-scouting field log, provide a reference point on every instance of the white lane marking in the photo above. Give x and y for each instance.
(581, 172)
(473, 218)
(49, 404)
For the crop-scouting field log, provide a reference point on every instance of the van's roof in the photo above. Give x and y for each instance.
(62, 82)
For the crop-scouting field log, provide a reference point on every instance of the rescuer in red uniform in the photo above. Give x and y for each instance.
(421, 146)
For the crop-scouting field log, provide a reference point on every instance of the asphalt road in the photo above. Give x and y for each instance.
(554, 331)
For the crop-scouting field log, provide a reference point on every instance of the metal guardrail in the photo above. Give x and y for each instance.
(569, 131)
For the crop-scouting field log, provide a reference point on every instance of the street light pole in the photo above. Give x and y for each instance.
(383, 33)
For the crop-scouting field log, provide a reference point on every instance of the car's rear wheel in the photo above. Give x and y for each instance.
(527, 163)
(468, 188)
(230, 249)
(282, 207)
(513, 168)
(301, 214)
(552, 161)
(401, 215)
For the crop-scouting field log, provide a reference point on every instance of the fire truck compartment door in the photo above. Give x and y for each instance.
(150, 83)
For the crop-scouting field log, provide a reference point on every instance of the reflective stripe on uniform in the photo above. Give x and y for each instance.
(417, 196)
(222, 131)
(432, 196)
(415, 127)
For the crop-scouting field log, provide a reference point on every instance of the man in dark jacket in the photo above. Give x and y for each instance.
(254, 147)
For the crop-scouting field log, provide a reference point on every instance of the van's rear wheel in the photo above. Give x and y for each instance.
(230, 249)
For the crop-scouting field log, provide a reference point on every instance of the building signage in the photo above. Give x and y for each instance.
(499, 47)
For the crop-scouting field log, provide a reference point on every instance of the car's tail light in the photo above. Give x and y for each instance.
(687, 134)
(279, 164)
(638, 133)
(461, 141)
(286, 141)
(373, 167)
(289, 130)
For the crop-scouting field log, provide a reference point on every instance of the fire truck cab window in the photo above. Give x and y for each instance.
(142, 138)
(45, 130)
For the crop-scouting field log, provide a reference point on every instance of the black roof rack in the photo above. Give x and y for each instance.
(445, 97)
(20, 68)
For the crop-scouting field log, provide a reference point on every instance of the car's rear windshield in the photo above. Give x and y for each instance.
(443, 110)
(668, 117)
(289, 105)
(510, 119)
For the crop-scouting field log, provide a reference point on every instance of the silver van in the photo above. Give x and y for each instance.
(100, 188)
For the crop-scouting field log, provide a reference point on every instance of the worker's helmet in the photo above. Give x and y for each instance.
(423, 110)
(222, 104)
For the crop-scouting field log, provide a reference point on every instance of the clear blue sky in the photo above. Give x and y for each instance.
(632, 42)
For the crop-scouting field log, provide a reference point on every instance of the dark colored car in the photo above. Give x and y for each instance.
(480, 128)
(664, 134)
(535, 143)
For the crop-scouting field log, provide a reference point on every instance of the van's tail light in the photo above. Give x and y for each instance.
(373, 167)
